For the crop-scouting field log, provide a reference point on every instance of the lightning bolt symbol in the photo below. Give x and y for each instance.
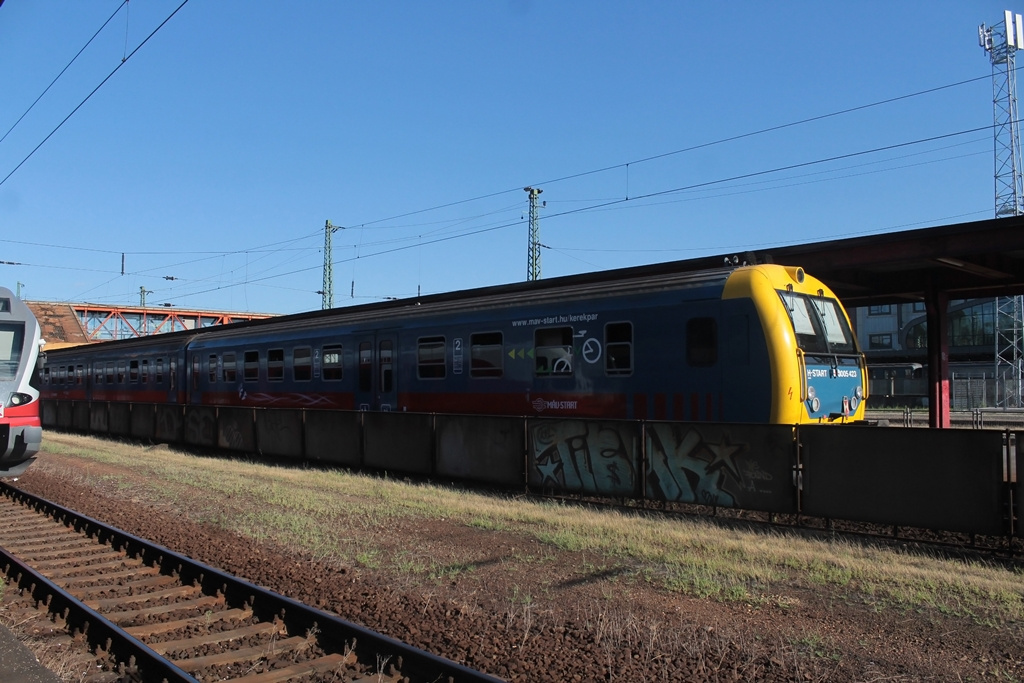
(791, 392)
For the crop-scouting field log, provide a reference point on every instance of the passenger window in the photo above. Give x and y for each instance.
(120, 372)
(302, 364)
(365, 367)
(46, 375)
(701, 342)
(332, 362)
(486, 354)
(251, 366)
(212, 369)
(110, 372)
(430, 358)
(133, 371)
(553, 351)
(275, 365)
(79, 374)
(618, 348)
(195, 371)
(230, 372)
(159, 370)
(145, 372)
(97, 371)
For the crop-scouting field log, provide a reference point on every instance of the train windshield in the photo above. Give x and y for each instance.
(11, 340)
(819, 323)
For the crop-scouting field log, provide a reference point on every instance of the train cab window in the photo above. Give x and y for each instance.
(819, 323)
(211, 369)
(701, 342)
(486, 355)
(618, 348)
(145, 372)
(159, 370)
(365, 366)
(302, 364)
(552, 348)
(251, 366)
(430, 362)
(387, 373)
(332, 362)
(110, 372)
(275, 365)
(133, 371)
(230, 373)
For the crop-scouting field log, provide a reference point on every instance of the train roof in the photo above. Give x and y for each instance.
(588, 285)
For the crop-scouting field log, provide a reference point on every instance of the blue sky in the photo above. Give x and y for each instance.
(217, 151)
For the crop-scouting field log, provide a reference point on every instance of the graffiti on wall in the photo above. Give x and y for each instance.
(584, 456)
(686, 466)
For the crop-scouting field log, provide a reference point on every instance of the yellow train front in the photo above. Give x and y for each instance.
(818, 373)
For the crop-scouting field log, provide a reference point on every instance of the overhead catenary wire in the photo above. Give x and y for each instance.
(91, 93)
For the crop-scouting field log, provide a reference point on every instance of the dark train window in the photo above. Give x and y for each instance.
(212, 369)
(332, 362)
(275, 364)
(110, 372)
(387, 373)
(145, 371)
(120, 372)
(552, 347)
(79, 374)
(195, 371)
(486, 354)
(46, 375)
(251, 366)
(618, 348)
(430, 358)
(97, 373)
(230, 372)
(302, 364)
(133, 371)
(365, 366)
(701, 342)
(159, 370)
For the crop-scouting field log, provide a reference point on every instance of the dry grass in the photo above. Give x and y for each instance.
(303, 509)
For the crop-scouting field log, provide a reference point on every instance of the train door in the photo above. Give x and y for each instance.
(377, 359)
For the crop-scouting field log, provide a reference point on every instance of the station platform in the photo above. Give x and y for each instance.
(18, 664)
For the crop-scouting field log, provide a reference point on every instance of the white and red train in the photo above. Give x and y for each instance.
(20, 431)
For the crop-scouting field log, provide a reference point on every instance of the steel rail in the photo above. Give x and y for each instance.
(334, 634)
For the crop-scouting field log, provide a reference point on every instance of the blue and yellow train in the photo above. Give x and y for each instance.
(762, 343)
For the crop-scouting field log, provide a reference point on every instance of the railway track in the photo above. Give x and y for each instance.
(151, 614)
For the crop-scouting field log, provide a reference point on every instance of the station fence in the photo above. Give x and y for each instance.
(958, 480)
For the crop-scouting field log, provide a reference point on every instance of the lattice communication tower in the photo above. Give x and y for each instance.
(1001, 42)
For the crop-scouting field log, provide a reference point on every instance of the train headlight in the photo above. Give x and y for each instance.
(858, 392)
(854, 402)
(19, 399)
(813, 402)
